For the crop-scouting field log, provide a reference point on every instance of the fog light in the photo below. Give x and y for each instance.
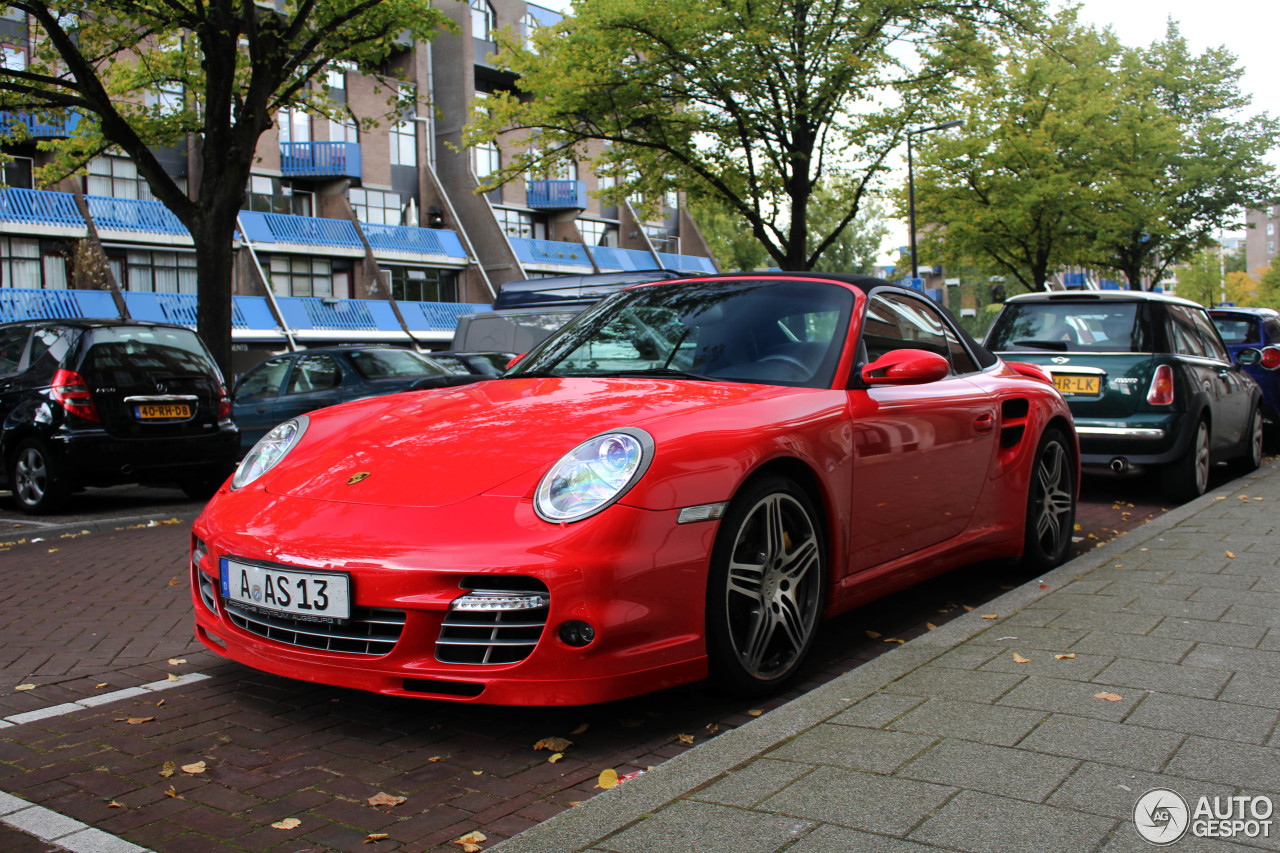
(575, 633)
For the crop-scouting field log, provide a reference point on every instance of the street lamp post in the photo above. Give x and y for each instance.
(911, 186)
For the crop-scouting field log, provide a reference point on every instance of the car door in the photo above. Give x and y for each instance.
(921, 452)
(314, 382)
(13, 344)
(1210, 370)
(253, 402)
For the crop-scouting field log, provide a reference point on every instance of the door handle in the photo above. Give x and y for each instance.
(984, 423)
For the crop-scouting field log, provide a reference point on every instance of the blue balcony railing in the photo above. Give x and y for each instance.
(135, 215)
(610, 259)
(248, 313)
(686, 263)
(320, 159)
(38, 126)
(422, 241)
(556, 195)
(39, 207)
(544, 252)
(302, 230)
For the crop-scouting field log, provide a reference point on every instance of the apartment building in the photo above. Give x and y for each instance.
(1261, 237)
(346, 234)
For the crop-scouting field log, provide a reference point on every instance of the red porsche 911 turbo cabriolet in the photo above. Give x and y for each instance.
(680, 484)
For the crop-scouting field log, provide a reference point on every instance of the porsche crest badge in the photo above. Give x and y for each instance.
(355, 478)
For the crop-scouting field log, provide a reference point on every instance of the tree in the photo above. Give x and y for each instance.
(751, 102)
(1044, 124)
(857, 247)
(237, 63)
(733, 247)
(1200, 280)
(1168, 202)
(1269, 285)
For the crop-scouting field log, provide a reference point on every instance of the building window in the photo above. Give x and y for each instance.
(486, 159)
(1271, 247)
(343, 131)
(292, 275)
(527, 25)
(294, 125)
(13, 58)
(271, 195)
(167, 98)
(161, 272)
(117, 177)
(483, 20)
(662, 240)
(404, 143)
(17, 172)
(376, 206)
(423, 285)
(1271, 229)
(520, 223)
(598, 233)
(19, 262)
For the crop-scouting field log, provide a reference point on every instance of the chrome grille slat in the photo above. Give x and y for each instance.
(207, 594)
(493, 637)
(365, 633)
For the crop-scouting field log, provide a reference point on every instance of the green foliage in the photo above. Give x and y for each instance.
(857, 247)
(228, 67)
(1268, 295)
(1200, 280)
(754, 104)
(733, 247)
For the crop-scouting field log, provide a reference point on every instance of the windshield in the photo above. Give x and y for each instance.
(1068, 327)
(779, 332)
(393, 363)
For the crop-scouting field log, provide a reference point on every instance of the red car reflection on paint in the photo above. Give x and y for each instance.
(681, 483)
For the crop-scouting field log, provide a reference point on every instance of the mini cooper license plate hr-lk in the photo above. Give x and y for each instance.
(310, 596)
(1074, 385)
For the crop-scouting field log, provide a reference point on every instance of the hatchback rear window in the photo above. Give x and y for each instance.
(1069, 327)
(1235, 331)
(392, 363)
(125, 355)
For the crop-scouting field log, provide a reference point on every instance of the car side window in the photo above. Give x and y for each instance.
(1271, 331)
(900, 322)
(12, 344)
(263, 381)
(1210, 340)
(1184, 337)
(314, 373)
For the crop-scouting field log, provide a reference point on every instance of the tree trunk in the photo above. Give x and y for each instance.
(214, 277)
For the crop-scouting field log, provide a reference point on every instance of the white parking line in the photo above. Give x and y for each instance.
(54, 828)
(103, 699)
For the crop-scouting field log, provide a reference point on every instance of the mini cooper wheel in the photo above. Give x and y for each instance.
(1051, 503)
(37, 479)
(1188, 477)
(767, 587)
(1251, 458)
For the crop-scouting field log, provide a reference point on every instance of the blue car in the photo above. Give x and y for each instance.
(1252, 335)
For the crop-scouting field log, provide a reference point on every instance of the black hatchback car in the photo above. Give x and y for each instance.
(1148, 379)
(103, 402)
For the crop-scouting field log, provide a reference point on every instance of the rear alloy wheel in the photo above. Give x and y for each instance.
(1188, 477)
(1251, 459)
(766, 589)
(1051, 504)
(38, 483)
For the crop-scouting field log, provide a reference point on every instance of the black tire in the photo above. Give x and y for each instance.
(766, 589)
(1188, 477)
(38, 479)
(1051, 503)
(1251, 457)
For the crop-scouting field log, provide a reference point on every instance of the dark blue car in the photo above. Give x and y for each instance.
(1252, 336)
(289, 385)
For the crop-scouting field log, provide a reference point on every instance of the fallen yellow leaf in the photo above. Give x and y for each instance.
(114, 805)
(755, 712)
(287, 823)
(608, 779)
(582, 729)
(991, 616)
(177, 661)
(1017, 658)
(686, 739)
(1071, 656)
(25, 687)
(134, 721)
(555, 757)
(931, 626)
(375, 837)
(172, 792)
(875, 635)
(100, 686)
(173, 677)
(470, 843)
(967, 608)
(169, 768)
(1232, 556)
(198, 767)
(174, 582)
(384, 799)
(433, 759)
(554, 744)
(893, 640)
(1110, 697)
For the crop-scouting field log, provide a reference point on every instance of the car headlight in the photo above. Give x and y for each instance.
(269, 450)
(593, 475)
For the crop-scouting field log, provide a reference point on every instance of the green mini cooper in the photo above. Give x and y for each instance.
(1147, 377)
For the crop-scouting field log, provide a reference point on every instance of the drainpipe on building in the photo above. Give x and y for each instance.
(262, 280)
(648, 244)
(382, 280)
(99, 254)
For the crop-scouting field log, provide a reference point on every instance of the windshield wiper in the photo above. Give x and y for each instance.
(1061, 346)
(657, 371)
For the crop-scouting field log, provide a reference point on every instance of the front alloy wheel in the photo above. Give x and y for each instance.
(767, 586)
(1051, 503)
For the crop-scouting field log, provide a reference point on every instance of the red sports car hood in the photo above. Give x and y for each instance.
(436, 448)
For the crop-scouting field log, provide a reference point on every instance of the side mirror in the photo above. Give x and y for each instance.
(906, 367)
(1248, 357)
(512, 362)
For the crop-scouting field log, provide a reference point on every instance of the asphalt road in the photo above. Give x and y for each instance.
(85, 614)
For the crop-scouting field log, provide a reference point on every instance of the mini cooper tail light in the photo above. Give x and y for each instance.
(1161, 391)
(71, 392)
(1271, 357)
